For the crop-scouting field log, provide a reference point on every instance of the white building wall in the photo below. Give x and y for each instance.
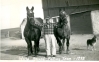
(95, 21)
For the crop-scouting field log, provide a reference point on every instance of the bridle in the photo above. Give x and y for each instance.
(29, 17)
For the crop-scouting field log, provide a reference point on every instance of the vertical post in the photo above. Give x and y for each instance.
(57, 19)
(68, 19)
(48, 7)
(8, 34)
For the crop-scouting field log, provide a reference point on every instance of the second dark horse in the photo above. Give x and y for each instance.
(62, 31)
(32, 32)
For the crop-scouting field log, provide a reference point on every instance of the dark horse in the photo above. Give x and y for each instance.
(31, 32)
(62, 31)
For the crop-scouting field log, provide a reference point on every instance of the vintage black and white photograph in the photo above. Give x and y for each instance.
(53, 30)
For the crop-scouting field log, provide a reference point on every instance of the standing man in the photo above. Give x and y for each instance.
(49, 37)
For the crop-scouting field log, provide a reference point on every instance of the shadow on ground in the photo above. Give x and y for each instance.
(20, 51)
(78, 49)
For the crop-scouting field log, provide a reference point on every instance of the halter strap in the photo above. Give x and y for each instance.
(29, 17)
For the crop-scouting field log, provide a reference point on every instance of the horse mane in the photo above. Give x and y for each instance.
(38, 21)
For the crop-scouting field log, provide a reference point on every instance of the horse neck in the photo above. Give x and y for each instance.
(28, 24)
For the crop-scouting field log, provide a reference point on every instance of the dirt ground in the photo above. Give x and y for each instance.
(16, 49)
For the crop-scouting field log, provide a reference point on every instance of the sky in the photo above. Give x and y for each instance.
(13, 11)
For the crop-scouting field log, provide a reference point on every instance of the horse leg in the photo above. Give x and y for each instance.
(63, 44)
(67, 46)
(35, 48)
(59, 44)
(29, 47)
(38, 46)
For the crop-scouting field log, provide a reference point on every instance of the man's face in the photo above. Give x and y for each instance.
(47, 21)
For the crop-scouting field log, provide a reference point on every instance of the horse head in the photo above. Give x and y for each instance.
(62, 17)
(62, 13)
(30, 15)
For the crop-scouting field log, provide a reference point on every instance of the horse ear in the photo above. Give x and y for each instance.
(32, 8)
(27, 8)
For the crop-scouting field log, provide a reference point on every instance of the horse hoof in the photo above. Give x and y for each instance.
(37, 52)
(67, 52)
(35, 55)
(60, 52)
(38, 49)
(28, 55)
